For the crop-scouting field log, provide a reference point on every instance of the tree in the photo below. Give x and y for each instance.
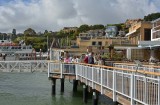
(13, 36)
(29, 32)
(45, 32)
(151, 17)
(83, 28)
(98, 26)
(14, 32)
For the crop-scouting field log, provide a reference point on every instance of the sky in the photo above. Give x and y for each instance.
(53, 15)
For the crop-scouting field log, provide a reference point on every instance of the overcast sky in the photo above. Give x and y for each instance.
(53, 15)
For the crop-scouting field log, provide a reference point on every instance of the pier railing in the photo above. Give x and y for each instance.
(121, 84)
(24, 66)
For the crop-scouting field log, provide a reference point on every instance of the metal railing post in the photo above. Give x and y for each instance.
(122, 81)
(145, 89)
(101, 80)
(132, 89)
(76, 67)
(61, 68)
(48, 69)
(114, 86)
(158, 90)
(92, 78)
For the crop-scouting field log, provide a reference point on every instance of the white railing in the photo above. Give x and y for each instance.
(135, 87)
(24, 66)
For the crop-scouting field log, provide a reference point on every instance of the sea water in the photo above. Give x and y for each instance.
(35, 89)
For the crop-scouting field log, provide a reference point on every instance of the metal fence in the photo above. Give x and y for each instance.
(24, 66)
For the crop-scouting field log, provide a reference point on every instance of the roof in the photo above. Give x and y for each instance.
(131, 33)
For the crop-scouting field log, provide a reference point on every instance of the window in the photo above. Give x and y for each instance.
(147, 34)
(93, 43)
(100, 43)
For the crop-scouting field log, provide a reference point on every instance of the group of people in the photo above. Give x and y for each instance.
(93, 59)
(69, 59)
(89, 58)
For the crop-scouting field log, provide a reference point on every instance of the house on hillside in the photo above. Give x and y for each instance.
(111, 31)
(69, 29)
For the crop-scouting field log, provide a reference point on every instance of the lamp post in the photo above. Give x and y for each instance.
(40, 54)
(48, 55)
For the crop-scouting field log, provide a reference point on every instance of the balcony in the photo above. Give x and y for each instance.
(156, 34)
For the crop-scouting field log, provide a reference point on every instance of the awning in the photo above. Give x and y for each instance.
(149, 44)
(130, 33)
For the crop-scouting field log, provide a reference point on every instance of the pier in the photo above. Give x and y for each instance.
(126, 84)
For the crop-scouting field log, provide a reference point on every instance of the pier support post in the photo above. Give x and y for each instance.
(53, 86)
(95, 98)
(85, 93)
(62, 84)
(115, 103)
(75, 84)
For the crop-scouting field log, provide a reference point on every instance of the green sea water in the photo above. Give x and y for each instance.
(35, 89)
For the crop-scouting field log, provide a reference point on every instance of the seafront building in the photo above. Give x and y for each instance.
(154, 44)
(139, 31)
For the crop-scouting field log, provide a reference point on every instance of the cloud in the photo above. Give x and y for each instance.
(56, 14)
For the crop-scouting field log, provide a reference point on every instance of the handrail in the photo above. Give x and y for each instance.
(115, 68)
(131, 64)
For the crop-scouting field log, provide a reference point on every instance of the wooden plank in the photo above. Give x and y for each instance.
(120, 99)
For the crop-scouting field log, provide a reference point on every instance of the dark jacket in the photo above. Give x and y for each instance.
(90, 60)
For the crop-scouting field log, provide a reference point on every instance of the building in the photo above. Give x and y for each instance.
(97, 32)
(111, 31)
(129, 22)
(121, 33)
(154, 44)
(155, 32)
(69, 29)
(139, 31)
